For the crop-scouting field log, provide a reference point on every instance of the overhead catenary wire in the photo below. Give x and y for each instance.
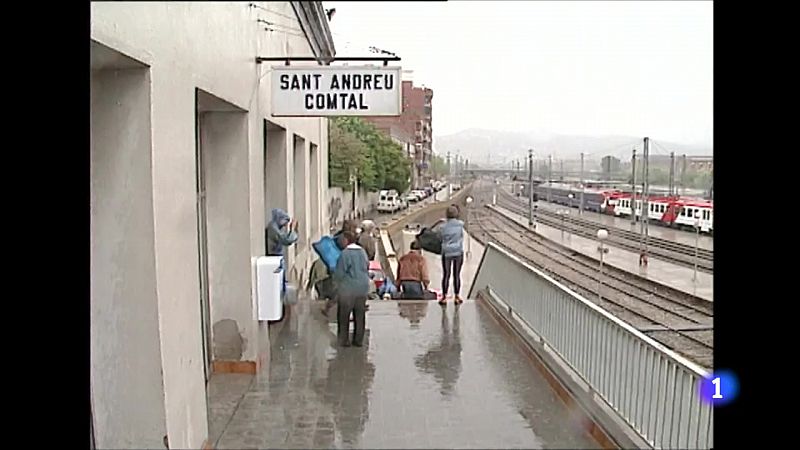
(273, 24)
(660, 149)
(284, 32)
(346, 41)
(276, 27)
(271, 11)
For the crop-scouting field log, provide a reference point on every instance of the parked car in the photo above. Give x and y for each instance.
(420, 194)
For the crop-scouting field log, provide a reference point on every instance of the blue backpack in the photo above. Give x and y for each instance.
(328, 251)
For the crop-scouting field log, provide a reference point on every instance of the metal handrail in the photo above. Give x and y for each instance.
(652, 388)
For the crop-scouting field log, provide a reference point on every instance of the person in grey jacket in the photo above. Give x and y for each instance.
(366, 240)
(281, 232)
(351, 279)
(452, 253)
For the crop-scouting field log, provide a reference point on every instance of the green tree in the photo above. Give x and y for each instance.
(348, 155)
(384, 165)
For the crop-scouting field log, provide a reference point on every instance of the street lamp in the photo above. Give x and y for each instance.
(469, 240)
(602, 235)
(571, 196)
(696, 242)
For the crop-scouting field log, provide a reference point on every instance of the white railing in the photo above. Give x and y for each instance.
(651, 388)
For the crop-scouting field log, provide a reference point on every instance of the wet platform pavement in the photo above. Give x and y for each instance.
(427, 377)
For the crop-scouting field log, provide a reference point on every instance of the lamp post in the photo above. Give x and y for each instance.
(530, 187)
(469, 213)
(602, 234)
(696, 243)
(561, 213)
(571, 196)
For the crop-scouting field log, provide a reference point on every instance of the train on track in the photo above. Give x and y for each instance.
(670, 211)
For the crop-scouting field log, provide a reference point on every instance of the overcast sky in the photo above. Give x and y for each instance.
(589, 68)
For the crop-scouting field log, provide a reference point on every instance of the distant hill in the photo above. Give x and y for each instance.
(492, 147)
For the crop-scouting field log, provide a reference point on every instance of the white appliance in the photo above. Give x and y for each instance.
(269, 277)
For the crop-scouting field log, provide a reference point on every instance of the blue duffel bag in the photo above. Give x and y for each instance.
(328, 251)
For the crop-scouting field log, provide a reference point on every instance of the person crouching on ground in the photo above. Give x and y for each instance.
(352, 287)
(412, 274)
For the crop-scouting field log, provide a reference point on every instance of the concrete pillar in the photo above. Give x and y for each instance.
(125, 369)
(177, 258)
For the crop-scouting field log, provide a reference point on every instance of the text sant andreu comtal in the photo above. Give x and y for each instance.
(339, 82)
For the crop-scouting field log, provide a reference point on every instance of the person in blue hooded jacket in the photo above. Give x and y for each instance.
(281, 232)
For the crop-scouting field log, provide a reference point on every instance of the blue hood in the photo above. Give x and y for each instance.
(280, 217)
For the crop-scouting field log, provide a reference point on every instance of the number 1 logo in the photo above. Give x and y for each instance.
(716, 382)
(720, 388)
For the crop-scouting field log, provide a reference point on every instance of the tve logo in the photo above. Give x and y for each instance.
(720, 388)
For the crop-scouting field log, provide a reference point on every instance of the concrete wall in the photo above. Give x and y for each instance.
(145, 267)
(340, 203)
(126, 379)
(315, 206)
(301, 205)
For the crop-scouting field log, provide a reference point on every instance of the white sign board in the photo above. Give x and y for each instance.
(336, 91)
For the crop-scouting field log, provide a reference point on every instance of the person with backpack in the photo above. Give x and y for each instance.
(348, 226)
(352, 288)
(452, 233)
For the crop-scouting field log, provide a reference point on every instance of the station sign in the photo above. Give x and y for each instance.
(323, 91)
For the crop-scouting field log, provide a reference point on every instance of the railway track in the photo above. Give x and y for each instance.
(678, 320)
(674, 252)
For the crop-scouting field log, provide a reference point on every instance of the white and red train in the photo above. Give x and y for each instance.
(673, 211)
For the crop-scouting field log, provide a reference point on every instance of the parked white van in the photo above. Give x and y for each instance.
(389, 201)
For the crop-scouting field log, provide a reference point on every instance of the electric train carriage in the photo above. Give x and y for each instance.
(671, 211)
(597, 200)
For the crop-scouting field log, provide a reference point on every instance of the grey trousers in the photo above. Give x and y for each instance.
(357, 307)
